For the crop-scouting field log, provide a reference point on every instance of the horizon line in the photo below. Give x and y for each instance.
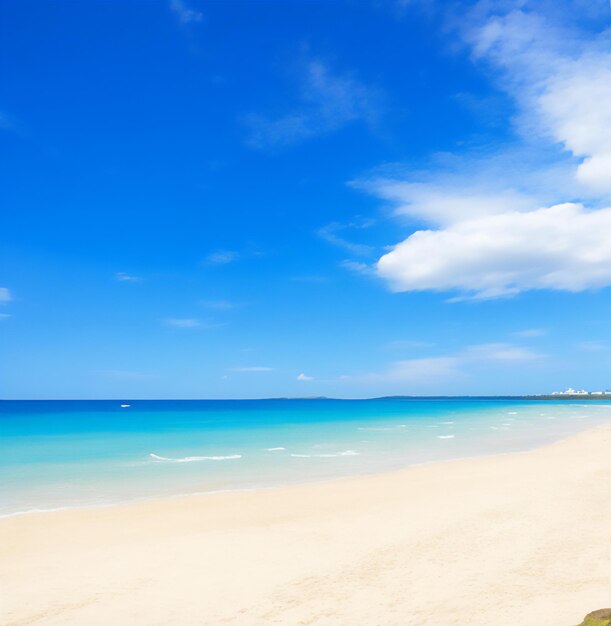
(389, 397)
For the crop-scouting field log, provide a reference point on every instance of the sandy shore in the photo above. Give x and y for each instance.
(513, 540)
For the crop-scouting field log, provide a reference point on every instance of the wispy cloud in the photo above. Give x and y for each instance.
(184, 13)
(418, 371)
(127, 278)
(500, 353)
(183, 322)
(330, 233)
(531, 332)
(5, 316)
(222, 257)
(448, 193)
(592, 346)
(249, 252)
(328, 102)
(451, 367)
(219, 305)
(358, 267)
(253, 368)
(303, 377)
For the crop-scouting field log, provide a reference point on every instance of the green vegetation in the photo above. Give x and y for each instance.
(601, 617)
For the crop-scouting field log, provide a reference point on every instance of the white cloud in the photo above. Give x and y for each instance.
(563, 247)
(561, 79)
(450, 188)
(576, 106)
(302, 376)
(5, 295)
(222, 257)
(128, 278)
(185, 14)
(498, 223)
(183, 322)
(253, 368)
(448, 200)
(328, 102)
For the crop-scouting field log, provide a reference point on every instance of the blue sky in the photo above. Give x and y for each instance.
(253, 199)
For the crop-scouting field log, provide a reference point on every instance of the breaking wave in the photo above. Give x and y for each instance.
(327, 456)
(191, 459)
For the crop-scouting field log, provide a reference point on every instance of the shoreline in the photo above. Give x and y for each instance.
(139, 500)
(442, 530)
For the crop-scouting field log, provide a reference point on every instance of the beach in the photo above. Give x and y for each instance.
(512, 539)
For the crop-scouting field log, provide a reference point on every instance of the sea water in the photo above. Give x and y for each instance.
(57, 454)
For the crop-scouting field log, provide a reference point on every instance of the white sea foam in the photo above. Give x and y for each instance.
(191, 459)
(326, 456)
(512, 413)
(445, 436)
(447, 423)
(275, 449)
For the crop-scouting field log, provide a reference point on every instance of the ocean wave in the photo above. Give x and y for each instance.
(327, 456)
(278, 449)
(191, 459)
(445, 436)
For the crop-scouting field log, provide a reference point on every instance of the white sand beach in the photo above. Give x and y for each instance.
(512, 540)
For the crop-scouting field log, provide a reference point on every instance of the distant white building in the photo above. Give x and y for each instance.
(580, 392)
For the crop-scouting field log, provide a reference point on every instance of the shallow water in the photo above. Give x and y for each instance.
(58, 454)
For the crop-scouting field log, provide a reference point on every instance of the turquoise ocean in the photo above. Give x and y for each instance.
(57, 454)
